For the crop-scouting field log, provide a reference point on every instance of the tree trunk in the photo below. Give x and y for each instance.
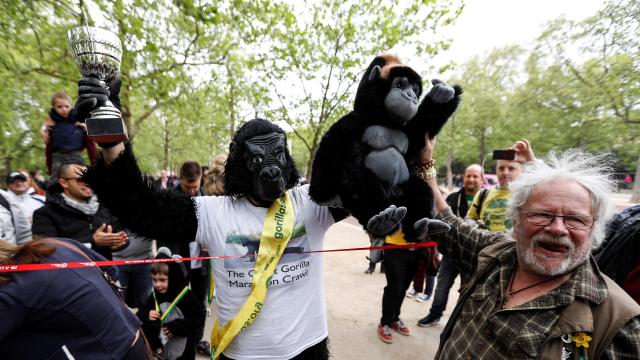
(449, 170)
(450, 154)
(635, 198)
(312, 156)
(165, 145)
(483, 145)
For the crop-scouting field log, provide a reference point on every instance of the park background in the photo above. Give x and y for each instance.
(194, 71)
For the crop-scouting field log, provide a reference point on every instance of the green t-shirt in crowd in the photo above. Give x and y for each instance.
(494, 210)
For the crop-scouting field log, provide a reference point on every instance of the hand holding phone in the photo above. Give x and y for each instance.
(508, 154)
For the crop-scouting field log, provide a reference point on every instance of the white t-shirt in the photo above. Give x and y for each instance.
(293, 317)
(28, 203)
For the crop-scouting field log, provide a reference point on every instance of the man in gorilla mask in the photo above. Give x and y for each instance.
(262, 207)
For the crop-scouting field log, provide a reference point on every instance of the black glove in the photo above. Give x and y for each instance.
(91, 95)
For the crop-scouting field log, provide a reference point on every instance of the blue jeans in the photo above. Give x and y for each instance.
(446, 276)
(137, 280)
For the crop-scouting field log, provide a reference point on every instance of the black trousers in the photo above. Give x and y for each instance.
(319, 351)
(401, 266)
(199, 287)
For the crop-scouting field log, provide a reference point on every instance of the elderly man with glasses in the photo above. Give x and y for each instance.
(536, 292)
(73, 211)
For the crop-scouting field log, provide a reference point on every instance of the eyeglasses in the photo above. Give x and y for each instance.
(575, 222)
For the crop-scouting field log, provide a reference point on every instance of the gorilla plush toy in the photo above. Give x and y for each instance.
(367, 160)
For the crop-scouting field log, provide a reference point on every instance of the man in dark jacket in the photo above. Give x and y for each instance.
(459, 202)
(191, 184)
(72, 211)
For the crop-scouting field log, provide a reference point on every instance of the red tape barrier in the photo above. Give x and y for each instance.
(82, 264)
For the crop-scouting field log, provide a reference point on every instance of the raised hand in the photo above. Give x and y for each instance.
(524, 151)
(440, 93)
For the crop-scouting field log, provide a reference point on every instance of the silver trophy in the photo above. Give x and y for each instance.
(98, 52)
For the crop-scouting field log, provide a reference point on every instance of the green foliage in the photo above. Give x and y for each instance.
(195, 70)
(552, 99)
(315, 61)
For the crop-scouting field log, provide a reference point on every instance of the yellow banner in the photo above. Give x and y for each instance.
(276, 232)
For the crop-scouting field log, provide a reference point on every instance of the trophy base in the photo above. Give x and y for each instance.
(107, 130)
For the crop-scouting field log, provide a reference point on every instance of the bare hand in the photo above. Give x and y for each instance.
(167, 332)
(82, 125)
(154, 315)
(427, 152)
(524, 152)
(44, 130)
(104, 236)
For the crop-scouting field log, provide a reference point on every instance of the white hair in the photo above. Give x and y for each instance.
(593, 172)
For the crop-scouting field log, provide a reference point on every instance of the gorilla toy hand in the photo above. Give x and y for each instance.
(386, 221)
(428, 226)
(440, 93)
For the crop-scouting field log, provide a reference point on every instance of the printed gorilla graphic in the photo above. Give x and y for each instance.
(243, 251)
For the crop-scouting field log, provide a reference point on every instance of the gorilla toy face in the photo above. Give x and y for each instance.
(391, 88)
(401, 102)
(266, 161)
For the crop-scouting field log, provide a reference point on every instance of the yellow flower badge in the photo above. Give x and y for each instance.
(581, 339)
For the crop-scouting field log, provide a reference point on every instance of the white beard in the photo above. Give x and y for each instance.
(536, 262)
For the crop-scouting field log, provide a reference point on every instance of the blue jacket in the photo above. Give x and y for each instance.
(46, 314)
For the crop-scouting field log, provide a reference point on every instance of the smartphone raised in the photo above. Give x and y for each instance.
(508, 154)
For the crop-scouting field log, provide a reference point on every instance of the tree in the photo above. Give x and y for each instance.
(315, 59)
(604, 89)
(483, 121)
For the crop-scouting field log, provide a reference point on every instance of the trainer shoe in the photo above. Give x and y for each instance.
(385, 334)
(400, 328)
(428, 320)
(411, 293)
(423, 298)
(370, 270)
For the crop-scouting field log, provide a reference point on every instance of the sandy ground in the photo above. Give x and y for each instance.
(354, 302)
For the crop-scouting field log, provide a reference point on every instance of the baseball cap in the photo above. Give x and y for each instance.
(15, 175)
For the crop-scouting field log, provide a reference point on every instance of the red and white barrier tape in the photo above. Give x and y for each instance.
(80, 264)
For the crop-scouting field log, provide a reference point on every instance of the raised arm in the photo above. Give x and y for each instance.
(167, 216)
(463, 242)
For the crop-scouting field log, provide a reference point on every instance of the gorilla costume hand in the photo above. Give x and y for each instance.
(92, 94)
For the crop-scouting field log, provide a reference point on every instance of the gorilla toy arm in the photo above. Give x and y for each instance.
(433, 113)
(167, 216)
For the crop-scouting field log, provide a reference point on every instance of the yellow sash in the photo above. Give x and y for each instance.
(277, 230)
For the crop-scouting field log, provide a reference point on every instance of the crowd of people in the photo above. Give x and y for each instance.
(530, 287)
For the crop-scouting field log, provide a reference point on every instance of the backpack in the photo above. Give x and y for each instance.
(483, 195)
(619, 251)
(4, 203)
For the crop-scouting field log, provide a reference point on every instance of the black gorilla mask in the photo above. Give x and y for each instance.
(266, 161)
